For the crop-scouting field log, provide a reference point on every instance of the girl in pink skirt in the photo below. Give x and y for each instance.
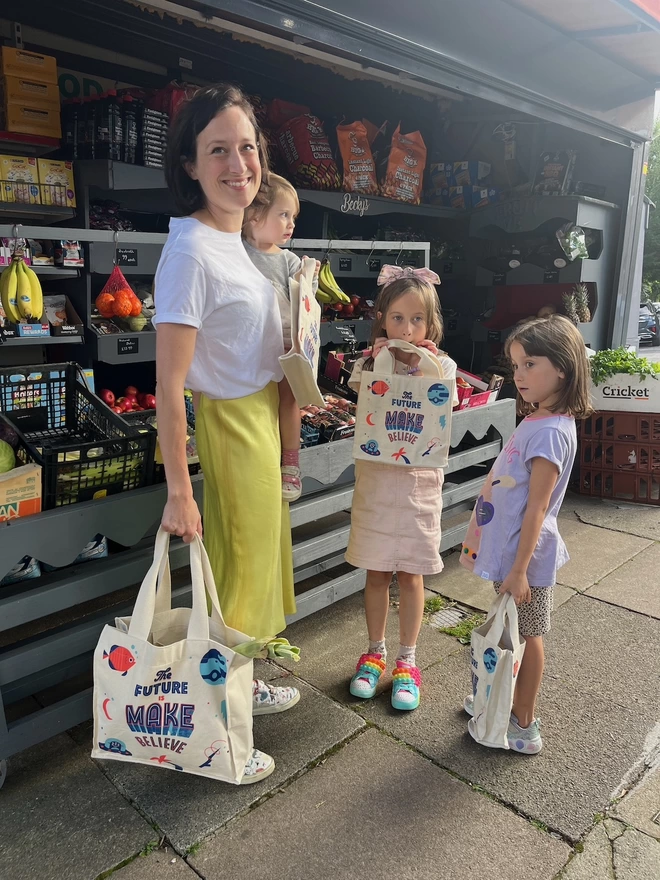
(396, 512)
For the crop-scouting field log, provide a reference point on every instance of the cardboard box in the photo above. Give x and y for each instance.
(19, 62)
(57, 185)
(466, 197)
(30, 120)
(73, 326)
(483, 393)
(19, 180)
(20, 492)
(626, 393)
(29, 92)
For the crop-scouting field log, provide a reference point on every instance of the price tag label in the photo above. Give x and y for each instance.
(551, 276)
(127, 257)
(499, 279)
(345, 264)
(128, 345)
(346, 332)
(373, 264)
(494, 336)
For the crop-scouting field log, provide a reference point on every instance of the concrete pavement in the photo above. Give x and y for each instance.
(361, 791)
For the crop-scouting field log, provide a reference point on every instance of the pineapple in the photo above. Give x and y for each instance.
(570, 307)
(582, 303)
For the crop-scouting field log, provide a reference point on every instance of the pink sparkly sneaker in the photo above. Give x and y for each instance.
(406, 682)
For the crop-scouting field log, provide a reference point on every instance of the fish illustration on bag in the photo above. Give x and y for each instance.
(379, 388)
(120, 659)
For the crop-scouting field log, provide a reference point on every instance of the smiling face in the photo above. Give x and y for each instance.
(227, 167)
(406, 318)
(276, 226)
(537, 379)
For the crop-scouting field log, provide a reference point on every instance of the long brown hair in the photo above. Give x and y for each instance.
(557, 339)
(395, 289)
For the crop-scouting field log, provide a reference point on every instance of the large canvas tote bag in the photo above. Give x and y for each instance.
(301, 363)
(496, 653)
(404, 420)
(169, 690)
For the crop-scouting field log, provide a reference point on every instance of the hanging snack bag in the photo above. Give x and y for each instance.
(405, 168)
(359, 166)
(307, 152)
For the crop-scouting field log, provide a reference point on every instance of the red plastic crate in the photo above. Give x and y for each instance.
(618, 485)
(621, 426)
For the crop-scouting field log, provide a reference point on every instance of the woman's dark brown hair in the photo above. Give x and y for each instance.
(191, 119)
(557, 339)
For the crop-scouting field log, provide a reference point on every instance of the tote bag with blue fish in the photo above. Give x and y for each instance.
(404, 420)
(169, 689)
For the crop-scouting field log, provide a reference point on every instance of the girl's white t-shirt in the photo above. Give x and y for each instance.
(206, 280)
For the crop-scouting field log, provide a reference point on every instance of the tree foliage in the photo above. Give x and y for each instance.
(652, 242)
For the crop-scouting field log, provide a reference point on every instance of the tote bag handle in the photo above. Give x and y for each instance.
(503, 617)
(151, 600)
(384, 360)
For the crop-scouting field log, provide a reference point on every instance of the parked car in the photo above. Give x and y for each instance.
(649, 326)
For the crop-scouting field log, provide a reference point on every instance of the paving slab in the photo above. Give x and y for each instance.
(595, 861)
(163, 864)
(635, 584)
(608, 651)
(332, 641)
(570, 780)
(643, 803)
(61, 818)
(188, 808)
(461, 586)
(642, 520)
(594, 553)
(636, 856)
(376, 809)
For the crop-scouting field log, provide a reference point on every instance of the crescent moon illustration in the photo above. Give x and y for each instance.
(105, 710)
(369, 421)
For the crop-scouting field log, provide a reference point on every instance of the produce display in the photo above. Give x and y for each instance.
(132, 400)
(118, 300)
(20, 293)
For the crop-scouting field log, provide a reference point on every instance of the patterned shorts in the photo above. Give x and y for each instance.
(534, 617)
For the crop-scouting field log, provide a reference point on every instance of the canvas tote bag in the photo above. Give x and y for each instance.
(301, 363)
(496, 653)
(404, 420)
(169, 691)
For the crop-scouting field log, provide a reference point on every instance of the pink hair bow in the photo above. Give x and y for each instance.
(390, 273)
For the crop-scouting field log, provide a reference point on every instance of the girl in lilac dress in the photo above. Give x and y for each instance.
(513, 538)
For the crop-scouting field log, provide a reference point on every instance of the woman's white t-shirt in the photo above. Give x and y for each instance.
(206, 280)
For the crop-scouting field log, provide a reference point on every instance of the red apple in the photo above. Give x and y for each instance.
(138, 409)
(140, 398)
(117, 409)
(337, 307)
(149, 401)
(107, 396)
(355, 301)
(348, 309)
(131, 391)
(125, 403)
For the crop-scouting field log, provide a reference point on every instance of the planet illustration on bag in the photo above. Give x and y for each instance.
(490, 659)
(370, 447)
(483, 512)
(213, 667)
(116, 746)
(438, 394)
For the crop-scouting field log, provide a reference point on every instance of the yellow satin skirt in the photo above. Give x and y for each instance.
(247, 530)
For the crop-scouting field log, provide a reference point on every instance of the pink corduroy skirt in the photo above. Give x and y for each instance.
(395, 519)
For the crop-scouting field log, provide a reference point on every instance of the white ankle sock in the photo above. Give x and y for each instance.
(378, 648)
(407, 654)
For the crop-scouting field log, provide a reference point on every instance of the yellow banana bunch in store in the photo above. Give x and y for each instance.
(8, 293)
(30, 295)
(328, 287)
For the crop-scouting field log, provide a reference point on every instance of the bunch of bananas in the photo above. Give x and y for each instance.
(20, 293)
(329, 291)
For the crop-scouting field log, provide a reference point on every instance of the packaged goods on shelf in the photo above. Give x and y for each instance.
(359, 166)
(20, 492)
(11, 246)
(57, 184)
(41, 252)
(466, 197)
(69, 253)
(554, 172)
(483, 392)
(308, 154)
(63, 318)
(20, 62)
(29, 92)
(31, 120)
(19, 180)
(404, 179)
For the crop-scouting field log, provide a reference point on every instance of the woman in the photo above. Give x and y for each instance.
(219, 334)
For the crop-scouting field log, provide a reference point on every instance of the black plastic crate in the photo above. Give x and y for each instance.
(140, 421)
(86, 451)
